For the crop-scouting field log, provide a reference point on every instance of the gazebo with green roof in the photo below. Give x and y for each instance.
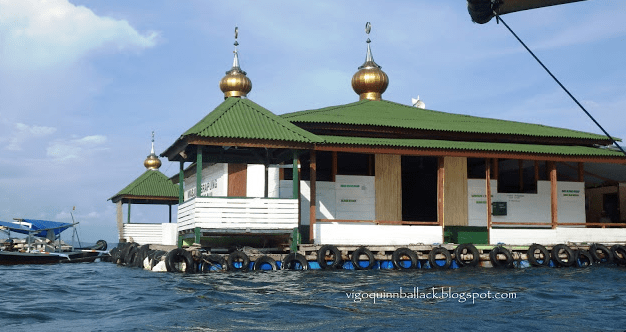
(152, 187)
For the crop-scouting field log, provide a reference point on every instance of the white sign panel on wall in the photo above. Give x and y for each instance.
(214, 181)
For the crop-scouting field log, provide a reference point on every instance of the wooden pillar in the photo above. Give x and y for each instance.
(488, 194)
(388, 186)
(294, 176)
(297, 194)
(128, 217)
(170, 207)
(312, 204)
(520, 166)
(120, 221)
(581, 172)
(536, 171)
(199, 171)
(553, 194)
(333, 167)
(440, 191)
(266, 182)
(181, 183)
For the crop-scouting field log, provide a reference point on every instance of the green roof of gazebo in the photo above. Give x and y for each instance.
(152, 187)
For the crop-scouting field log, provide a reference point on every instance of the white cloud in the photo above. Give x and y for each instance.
(43, 33)
(23, 132)
(66, 150)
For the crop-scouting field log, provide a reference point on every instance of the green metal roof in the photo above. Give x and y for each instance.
(389, 114)
(242, 118)
(474, 146)
(152, 183)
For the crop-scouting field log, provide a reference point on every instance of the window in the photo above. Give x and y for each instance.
(517, 176)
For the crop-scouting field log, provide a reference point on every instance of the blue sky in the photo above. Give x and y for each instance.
(83, 83)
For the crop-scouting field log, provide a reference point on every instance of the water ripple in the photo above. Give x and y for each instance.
(105, 297)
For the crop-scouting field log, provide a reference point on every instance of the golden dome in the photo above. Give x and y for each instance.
(235, 83)
(370, 82)
(152, 162)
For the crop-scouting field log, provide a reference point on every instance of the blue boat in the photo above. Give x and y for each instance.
(43, 244)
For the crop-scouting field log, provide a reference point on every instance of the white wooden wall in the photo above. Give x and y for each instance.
(527, 207)
(214, 181)
(350, 197)
(255, 181)
(558, 235)
(360, 233)
(164, 234)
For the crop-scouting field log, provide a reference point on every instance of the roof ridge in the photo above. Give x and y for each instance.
(280, 123)
(323, 109)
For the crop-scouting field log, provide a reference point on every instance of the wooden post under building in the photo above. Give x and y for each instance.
(312, 217)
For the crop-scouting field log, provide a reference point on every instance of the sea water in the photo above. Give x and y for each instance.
(105, 297)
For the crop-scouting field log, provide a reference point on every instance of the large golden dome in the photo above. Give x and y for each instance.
(370, 82)
(152, 162)
(235, 83)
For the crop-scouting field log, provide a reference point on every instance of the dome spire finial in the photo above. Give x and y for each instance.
(152, 162)
(236, 58)
(235, 83)
(370, 82)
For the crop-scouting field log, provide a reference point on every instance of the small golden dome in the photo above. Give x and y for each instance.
(152, 162)
(370, 82)
(235, 83)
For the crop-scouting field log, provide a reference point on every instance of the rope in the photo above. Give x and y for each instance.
(498, 20)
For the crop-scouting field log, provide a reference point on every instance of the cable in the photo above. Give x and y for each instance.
(499, 19)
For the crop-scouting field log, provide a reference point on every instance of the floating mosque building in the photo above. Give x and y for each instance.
(379, 173)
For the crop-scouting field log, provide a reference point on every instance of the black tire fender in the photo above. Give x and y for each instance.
(619, 254)
(131, 256)
(334, 252)
(238, 256)
(265, 260)
(537, 261)
(291, 261)
(432, 258)
(398, 256)
(156, 257)
(493, 257)
(563, 249)
(124, 253)
(114, 254)
(176, 256)
(142, 253)
(600, 253)
(208, 261)
(100, 245)
(464, 249)
(356, 258)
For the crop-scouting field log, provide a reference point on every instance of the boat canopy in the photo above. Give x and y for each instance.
(36, 227)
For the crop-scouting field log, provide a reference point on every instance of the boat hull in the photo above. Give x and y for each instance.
(16, 258)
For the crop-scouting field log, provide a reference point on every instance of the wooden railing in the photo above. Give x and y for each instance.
(238, 214)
